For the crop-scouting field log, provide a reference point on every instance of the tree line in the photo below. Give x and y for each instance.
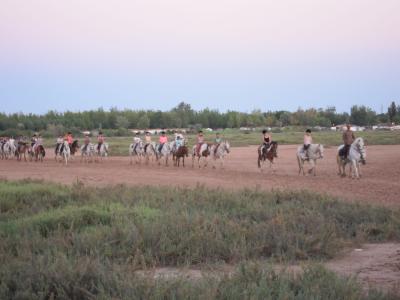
(183, 116)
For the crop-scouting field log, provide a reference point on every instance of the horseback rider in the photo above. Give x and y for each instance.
(33, 142)
(307, 141)
(217, 141)
(348, 139)
(39, 141)
(147, 140)
(59, 142)
(70, 139)
(178, 142)
(136, 141)
(266, 141)
(200, 141)
(86, 142)
(100, 140)
(163, 140)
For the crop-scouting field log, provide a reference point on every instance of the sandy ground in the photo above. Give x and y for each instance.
(380, 182)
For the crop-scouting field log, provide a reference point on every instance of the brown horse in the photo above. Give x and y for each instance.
(265, 154)
(181, 152)
(74, 147)
(39, 153)
(22, 148)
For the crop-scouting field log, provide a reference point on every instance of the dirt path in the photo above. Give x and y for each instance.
(374, 266)
(380, 182)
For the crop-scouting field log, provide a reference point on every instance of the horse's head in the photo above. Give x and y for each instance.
(320, 150)
(359, 145)
(274, 147)
(227, 146)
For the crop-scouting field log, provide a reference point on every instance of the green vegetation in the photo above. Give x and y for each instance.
(76, 240)
(116, 122)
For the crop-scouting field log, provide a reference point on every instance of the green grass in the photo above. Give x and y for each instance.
(71, 239)
(119, 145)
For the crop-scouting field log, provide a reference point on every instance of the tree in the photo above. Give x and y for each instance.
(362, 115)
(144, 122)
(392, 111)
(122, 122)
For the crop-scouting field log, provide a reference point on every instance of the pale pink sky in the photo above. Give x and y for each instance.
(234, 35)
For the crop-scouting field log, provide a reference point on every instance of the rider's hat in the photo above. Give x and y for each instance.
(265, 131)
(162, 132)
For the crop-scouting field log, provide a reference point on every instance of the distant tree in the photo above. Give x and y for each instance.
(122, 122)
(392, 111)
(144, 122)
(362, 115)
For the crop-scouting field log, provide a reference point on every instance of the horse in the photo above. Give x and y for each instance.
(2, 153)
(9, 149)
(88, 152)
(219, 152)
(136, 150)
(102, 151)
(22, 148)
(203, 152)
(74, 147)
(64, 151)
(40, 153)
(179, 153)
(357, 154)
(164, 153)
(315, 151)
(265, 154)
(149, 151)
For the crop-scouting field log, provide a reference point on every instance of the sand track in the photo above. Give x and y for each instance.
(380, 182)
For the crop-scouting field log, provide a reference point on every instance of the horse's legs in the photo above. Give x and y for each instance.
(355, 171)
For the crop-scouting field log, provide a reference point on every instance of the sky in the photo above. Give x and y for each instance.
(222, 54)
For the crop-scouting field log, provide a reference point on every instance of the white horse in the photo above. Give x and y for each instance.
(88, 152)
(166, 151)
(315, 151)
(64, 152)
(203, 153)
(102, 151)
(357, 154)
(136, 150)
(9, 149)
(149, 151)
(219, 152)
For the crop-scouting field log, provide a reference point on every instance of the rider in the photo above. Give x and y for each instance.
(100, 140)
(163, 140)
(136, 141)
(147, 140)
(33, 142)
(86, 142)
(217, 141)
(59, 142)
(70, 139)
(178, 142)
(267, 139)
(307, 142)
(348, 139)
(200, 141)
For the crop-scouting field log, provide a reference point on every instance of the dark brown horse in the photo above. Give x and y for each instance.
(265, 154)
(22, 148)
(74, 147)
(181, 152)
(40, 153)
